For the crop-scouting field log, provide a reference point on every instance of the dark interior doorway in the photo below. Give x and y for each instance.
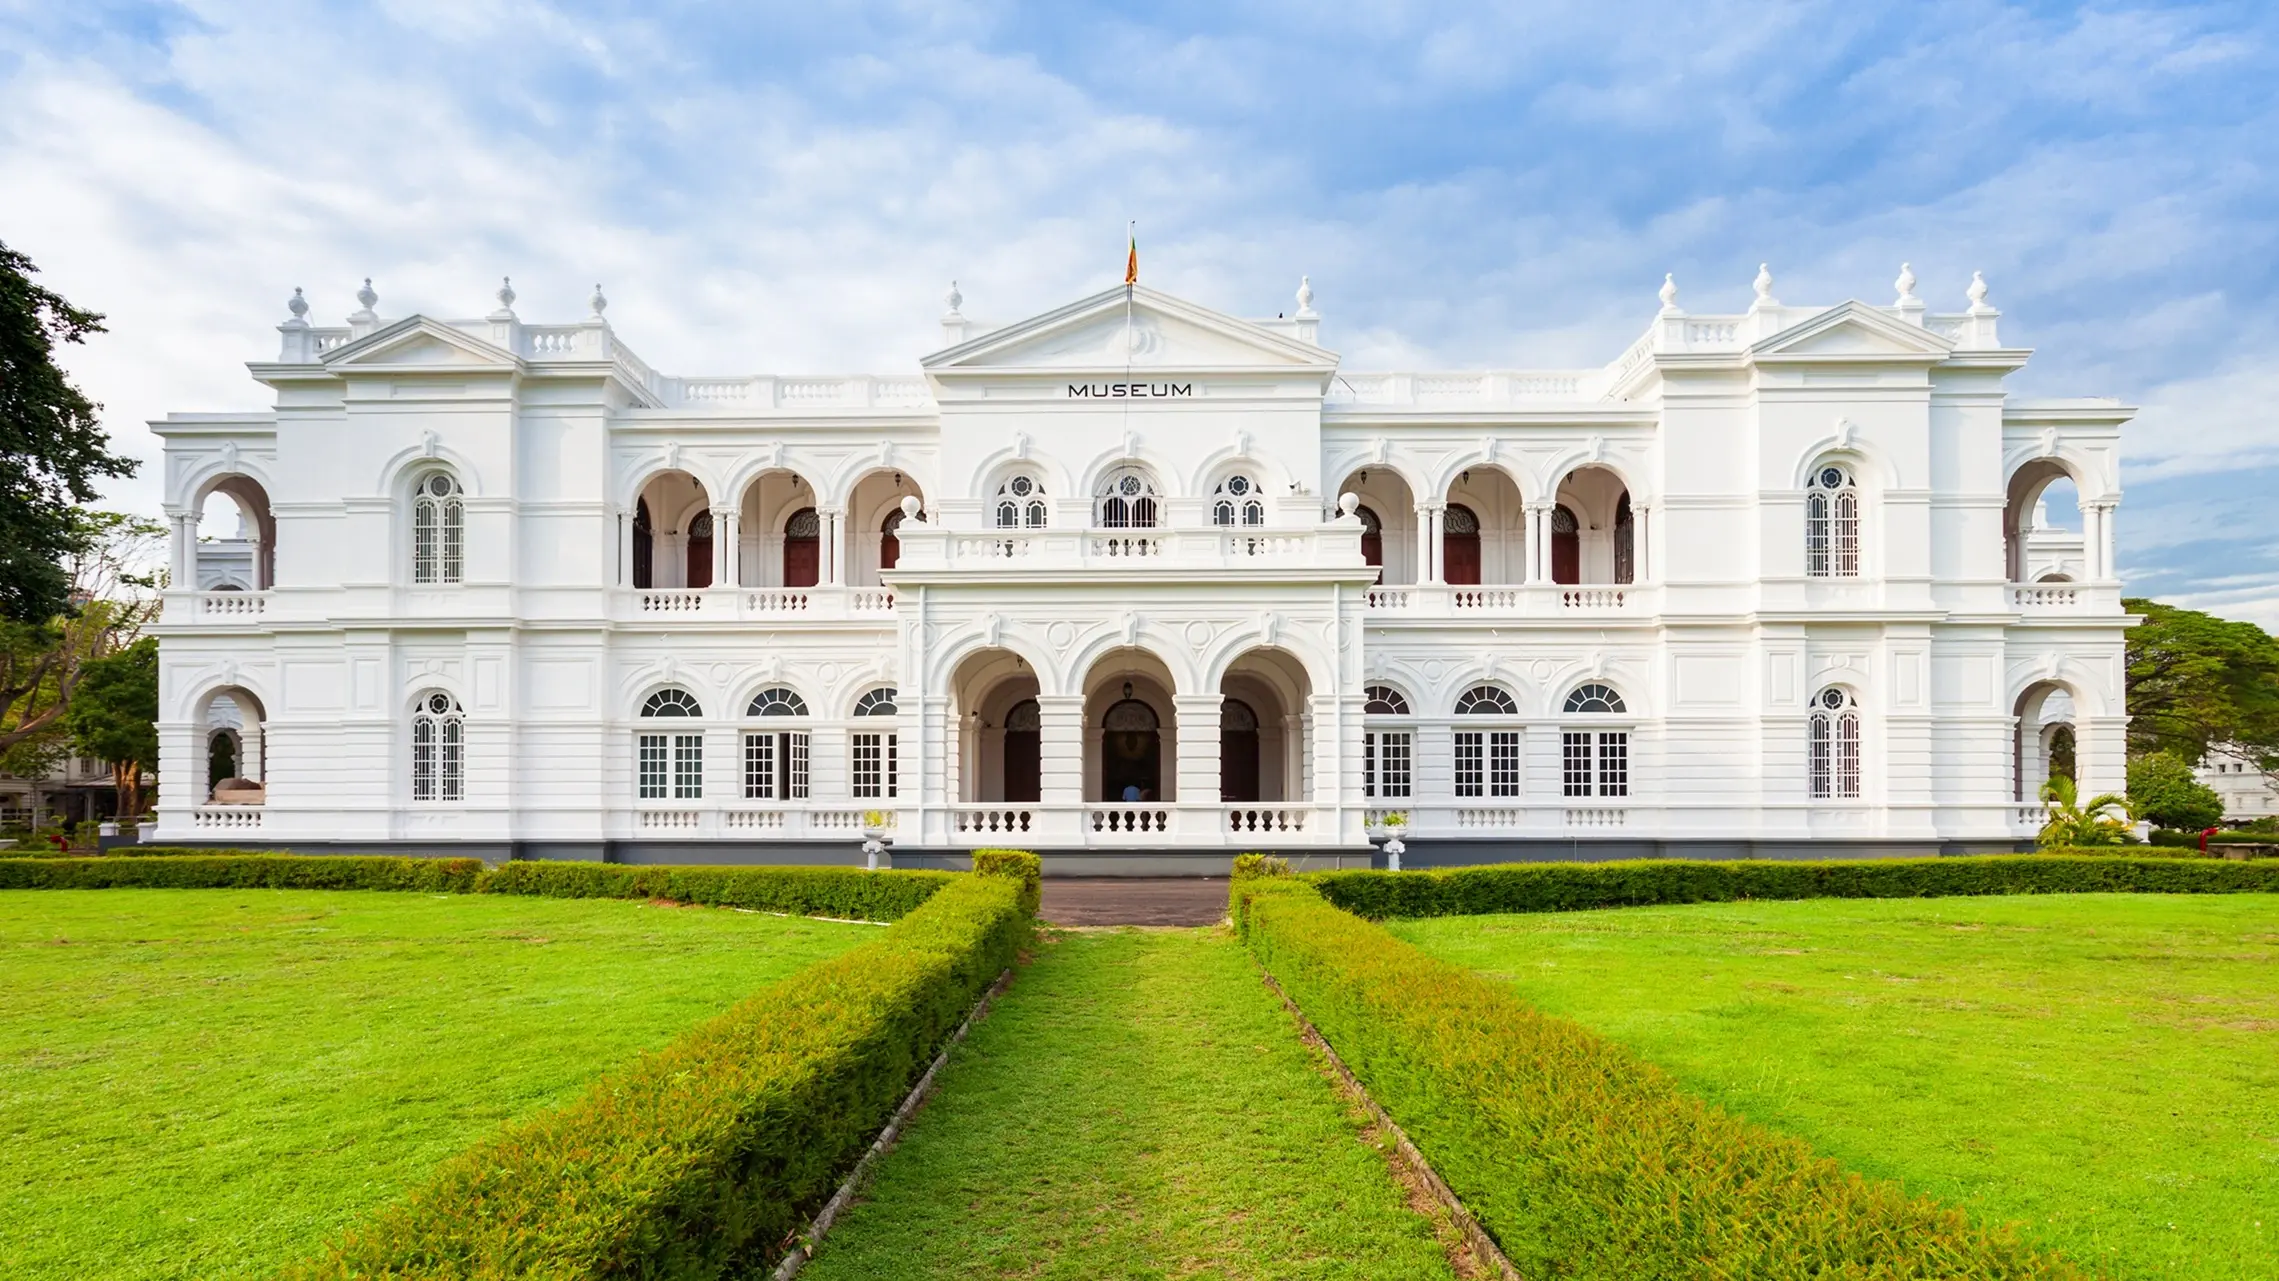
(1566, 546)
(644, 546)
(700, 550)
(802, 548)
(1372, 540)
(1023, 753)
(1460, 546)
(1131, 753)
(1238, 752)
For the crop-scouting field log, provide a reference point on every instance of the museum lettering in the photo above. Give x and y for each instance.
(1121, 391)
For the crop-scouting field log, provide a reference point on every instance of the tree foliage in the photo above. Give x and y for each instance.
(2164, 792)
(2198, 683)
(113, 716)
(114, 592)
(2104, 820)
(52, 447)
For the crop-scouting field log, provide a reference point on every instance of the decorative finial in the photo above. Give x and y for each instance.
(597, 302)
(911, 506)
(1977, 292)
(1669, 292)
(1348, 503)
(954, 298)
(298, 305)
(1764, 284)
(1305, 296)
(1906, 286)
(506, 292)
(366, 296)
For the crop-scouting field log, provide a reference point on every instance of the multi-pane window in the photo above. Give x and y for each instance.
(1834, 740)
(1594, 762)
(670, 765)
(438, 749)
(775, 760)
(875, 767)
(1127, 500)
(1237, 501)
(1388, 756)
(1487, 761)
(1832, 525)
(439, 530)
(1021, 504)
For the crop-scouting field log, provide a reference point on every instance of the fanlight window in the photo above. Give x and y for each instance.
(1238, 717)
(1486, 700)
(1460, 520)
(1595, 699)
(1384, 700)
(804, 523)
(1835, 745)
(1021, 504)
(439, 528)
(671, 702)
(438, 749)
(1832, 525)
(1237, 498)
(879, 702)
(777, 701)
(1127, 501)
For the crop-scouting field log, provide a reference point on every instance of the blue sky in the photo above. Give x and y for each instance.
(790, 187)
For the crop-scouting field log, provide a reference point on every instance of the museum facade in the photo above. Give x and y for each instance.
(1140, 584)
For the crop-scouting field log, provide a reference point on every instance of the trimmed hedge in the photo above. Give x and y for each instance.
(1582, 1160)
(1567, 887)
(711, 1153)
(1018, 864)
(850, 892)
(244, 871)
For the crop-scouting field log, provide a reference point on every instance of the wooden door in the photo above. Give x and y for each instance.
(1566, 547)
(802, 549)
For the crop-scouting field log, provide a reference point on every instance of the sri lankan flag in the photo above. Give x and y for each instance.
(1131, 262)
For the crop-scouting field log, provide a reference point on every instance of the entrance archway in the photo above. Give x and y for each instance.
(1130, 734)
(1264, 728)
(1024, 752)
(998, 758)
(1131, 751)
(1238, 752)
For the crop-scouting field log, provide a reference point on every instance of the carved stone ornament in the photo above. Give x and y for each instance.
(1061, 635)
(1844, 430)
(229, 454)
(1269, 627)
(672, 455)
(666, 668)
(429, 444)
(1021, 445)
(992, 628)
(1198, 635)
(1598, 449)
(886, 453)
(2049, 442)
(1131, 629)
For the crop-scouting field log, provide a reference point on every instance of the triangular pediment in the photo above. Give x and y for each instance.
(1853, 331)
(416, 342)
(1135, 328)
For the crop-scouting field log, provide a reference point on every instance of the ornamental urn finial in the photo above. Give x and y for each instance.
(298, 305)
(1764, 284)
(1977, 292)
(954, 299)
(597, 302)
(366, 296)
(1906, 286)
(1305, 297)
(506, 293)
(1669, 291)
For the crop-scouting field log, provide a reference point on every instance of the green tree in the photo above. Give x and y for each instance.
(2103, 821)
(52, 448)
(114, 716)
(40, 663)
(2197, 682)
(2163, 792)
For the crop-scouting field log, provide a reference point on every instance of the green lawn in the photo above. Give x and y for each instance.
(1136, 1105)
(202, 1083)
(2102, 1069)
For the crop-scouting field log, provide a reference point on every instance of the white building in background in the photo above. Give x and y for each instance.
(2247, 792)
(1134, 576)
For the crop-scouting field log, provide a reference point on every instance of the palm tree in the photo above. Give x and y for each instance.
(2103, 821)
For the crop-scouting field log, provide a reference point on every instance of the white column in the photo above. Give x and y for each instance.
(1539, 543)
(2098, 542)
(250, 763)
(829, 550)
(723, 547)
(1197, 719)
(1060, 744)
(1428, 539)
(1641, 535)
(185, 572)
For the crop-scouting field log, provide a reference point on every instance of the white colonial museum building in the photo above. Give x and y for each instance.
(1136, 577)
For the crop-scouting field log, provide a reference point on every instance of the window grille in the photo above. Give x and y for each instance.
(439, 523)
(1471, 762)
(1387, 770)
(671, 702)
(688, 767)
(878, 702)
(1383, 700)
(1503, 762)
(1832, 525)
(1459, 520)
(1595, 698)
(777, 701)
(1127, 500)
(670, 764)
(1021, 503)
(1613, 763)
(775, 767)
(1575, 763)
(1833, 745)
(438, 749)
(653, 762)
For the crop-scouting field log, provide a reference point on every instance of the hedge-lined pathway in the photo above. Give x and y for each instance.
(1137, 1104)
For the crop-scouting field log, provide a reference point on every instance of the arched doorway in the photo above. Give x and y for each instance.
(1566, 546)
(700, 550)
(802, 548)
(1238, 752)
(1131, 751)
(644, 545)
(1372, 539)
(1460, 546)
(1391, 547)
(1024, 757)
(889, 545)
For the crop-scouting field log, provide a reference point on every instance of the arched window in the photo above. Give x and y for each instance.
(1460, 545)
(670, 765)
(1594, 762)
(1127, 500)
(699, 551)
(802, 548)
(875, 761)
(1832, 524)
(438, 749)
(438, 530)
(1236, 500)
(890, 540)
(1238, 752)
(1387, 755)
(1487, 761)
(1486, 700)
(1021, 504)
(1835, 743)
(775, 760)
